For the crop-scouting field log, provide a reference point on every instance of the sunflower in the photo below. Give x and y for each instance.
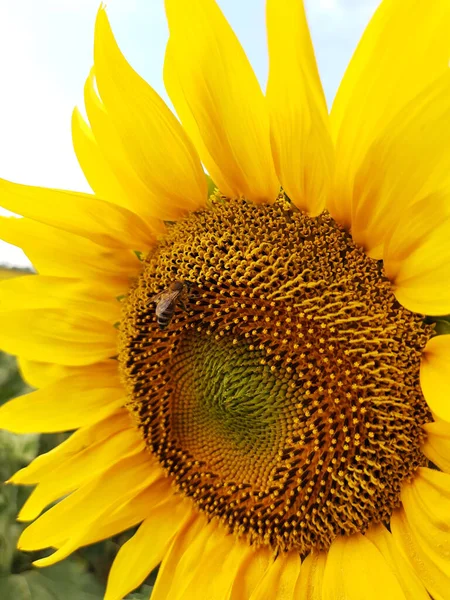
(250, 372)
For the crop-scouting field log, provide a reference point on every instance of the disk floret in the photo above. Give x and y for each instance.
(285, 399)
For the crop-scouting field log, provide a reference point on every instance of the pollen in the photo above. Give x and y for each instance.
(283, 396)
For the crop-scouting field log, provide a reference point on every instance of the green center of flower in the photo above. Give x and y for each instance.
(273, 374)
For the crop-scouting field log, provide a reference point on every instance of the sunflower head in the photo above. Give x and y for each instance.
(284, 398)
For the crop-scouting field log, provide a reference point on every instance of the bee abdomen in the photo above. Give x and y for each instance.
(164, 319)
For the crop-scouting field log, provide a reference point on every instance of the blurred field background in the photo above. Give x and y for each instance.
(83, 575)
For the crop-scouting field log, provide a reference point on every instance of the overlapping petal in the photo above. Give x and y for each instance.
(152, 139)
(69, 523)
(179, 562)
(437, 445)
(310, 581)
(62, 254)
(421, 528)
(145, 550)
(219, 101)
(39, 374)
(103, 177)
(94, 299)
(78, 469)
(405, 574)
(410, 161)
(301, 143)
(77, 442)
(66, 404)
(57, 336)
(85, 215)
(356, 570)
(417, 257)
(387, 71)
(223, 557)
(434, 379)
(433, 578)
(194, 542)
(280, 579)
(250, 573)
(132, 190)
(127, 514)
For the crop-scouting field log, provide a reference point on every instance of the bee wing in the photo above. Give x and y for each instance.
(157, 297)
(165, 301)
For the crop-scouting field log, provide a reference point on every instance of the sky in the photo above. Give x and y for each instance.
(46, 48)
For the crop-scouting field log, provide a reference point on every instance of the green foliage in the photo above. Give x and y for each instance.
(442, 325)
(68, 580)
(211, 185)
(142, 594)
(11, 383)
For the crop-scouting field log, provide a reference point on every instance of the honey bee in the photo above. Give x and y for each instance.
(167, 301)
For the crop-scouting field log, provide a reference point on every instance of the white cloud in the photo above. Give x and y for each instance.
(328, 6)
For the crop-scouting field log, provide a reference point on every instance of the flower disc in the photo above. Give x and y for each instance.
(282, 393)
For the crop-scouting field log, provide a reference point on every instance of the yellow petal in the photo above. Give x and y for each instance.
(211, 553)
(280, 578)
(85, 215)
(236, 552)
(301, 142)
(250, 573)
(410, 161)
(112, 149)
(39, 374)
(422, 527)
(404, 48)
(194, 541)
(405, 574)
(426, 501)
(57, 336)
(78, 469)
(219, 101)
(222, 557)
(415, 228)
(77, 442)
(96, 169)
(72, 402)
(437, 445)
(128, 514)
(177, 564)
(80, 295)
(417, 256)
(310, 581)
(101, 176)
(434, 579)
(152, 138)
(73, 517)
(61, 254)
(434, 375)
(146, 549)
(356, 570)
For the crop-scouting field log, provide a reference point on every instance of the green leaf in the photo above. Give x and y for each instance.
(15, 587)
(211, 185)
(11, 383)
(67, 580)
(442, 326)
(16, 451)
(142, 594)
